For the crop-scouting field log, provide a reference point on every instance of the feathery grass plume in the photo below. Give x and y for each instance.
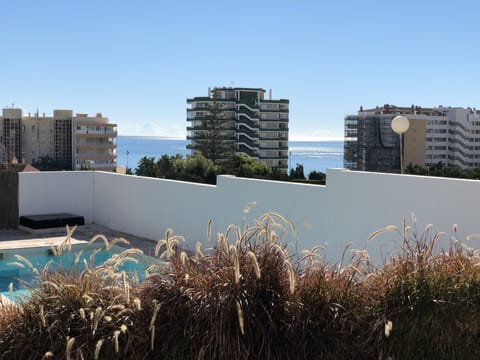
(236, 263)
(92, 258)
(253, 258)
(118, 240)
(138, 303)
(68, 351)
(183, 258)
(155, 313)
(169, 242)
(101, 237)
(238, 233)
(116, 333)
(78, 256)
(82, 314)
(388, 228)
(68, 239)
(160, 244)
(97, 316)
(472, 236)
(241, 321)
(281, 250)
(291, 276)
(388, 328)
(98, 347)
(16, 263)
(53, 249)
(230, 228)
(152, 337)
(277, 221)
(209, 230)
(87, 298)
(198, 250)
(116, 307)
(247, 207)
(152, 324)
(24, 261)
(42, 315)
(311, 255)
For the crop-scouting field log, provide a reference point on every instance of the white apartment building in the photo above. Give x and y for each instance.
(255, 126)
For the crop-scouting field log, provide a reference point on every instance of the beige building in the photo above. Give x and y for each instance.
(78, 141)
(95, 142)
(450, 135)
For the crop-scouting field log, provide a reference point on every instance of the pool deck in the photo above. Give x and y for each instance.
(18, 239)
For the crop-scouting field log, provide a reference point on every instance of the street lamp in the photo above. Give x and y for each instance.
(400, 125)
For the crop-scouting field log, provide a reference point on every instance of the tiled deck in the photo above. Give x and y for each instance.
(14, 239)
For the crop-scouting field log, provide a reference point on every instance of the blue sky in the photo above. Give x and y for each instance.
(138, 61)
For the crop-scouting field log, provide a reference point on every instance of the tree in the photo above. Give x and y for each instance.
(316, 175)
(146, 167)
(297, 173)
(214, 139)
(199, 169)
(244, 166)
(166, 167)
(46, 163)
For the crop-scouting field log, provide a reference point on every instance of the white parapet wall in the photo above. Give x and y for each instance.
(147, 207)
(347, 210)
(56, 192)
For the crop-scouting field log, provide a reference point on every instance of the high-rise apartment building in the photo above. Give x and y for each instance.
(95, 142)
(11, 134)
(79, 141)
(449, 135)
(253, 125)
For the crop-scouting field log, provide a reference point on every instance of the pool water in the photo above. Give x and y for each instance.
(23, 279)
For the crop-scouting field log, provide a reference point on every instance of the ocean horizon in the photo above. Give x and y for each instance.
(313, 155)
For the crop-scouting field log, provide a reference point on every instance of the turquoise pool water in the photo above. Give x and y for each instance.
(23, 278)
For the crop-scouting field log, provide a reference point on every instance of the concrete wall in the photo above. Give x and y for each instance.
(56, 192)
(348, 209)
(147, 207)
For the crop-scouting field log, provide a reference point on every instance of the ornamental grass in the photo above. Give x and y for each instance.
(243, 296)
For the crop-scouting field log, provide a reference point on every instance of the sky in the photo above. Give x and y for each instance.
(138, 61)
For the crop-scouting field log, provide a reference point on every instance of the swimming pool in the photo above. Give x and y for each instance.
(15, 280)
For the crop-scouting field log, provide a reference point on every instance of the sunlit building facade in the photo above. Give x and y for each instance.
(256, 126)
(80, 141)
(450, 135)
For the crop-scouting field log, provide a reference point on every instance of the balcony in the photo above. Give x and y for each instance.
(95, 156)
(79, 145)
(94, 133)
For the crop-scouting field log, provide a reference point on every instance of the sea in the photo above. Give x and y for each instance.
(313, 155)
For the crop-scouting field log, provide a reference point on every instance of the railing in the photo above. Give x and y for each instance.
(96, 133)
(243, 119)
(89, 156)
(247, 141)
(96, 146)
(243, 149)
(245, 130)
